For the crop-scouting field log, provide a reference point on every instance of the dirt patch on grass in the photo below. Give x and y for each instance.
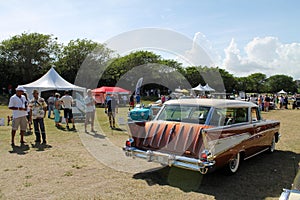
(67, 169)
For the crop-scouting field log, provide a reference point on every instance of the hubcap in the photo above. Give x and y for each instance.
(234, 164)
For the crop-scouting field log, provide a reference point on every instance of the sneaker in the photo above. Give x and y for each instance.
(68, 128)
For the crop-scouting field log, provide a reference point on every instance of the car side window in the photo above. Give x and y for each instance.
(241, 115)
(218, 117)
(255, 115)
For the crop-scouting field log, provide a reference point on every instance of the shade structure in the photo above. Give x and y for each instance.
(199, 88)
(282, 92)
(51, 81)
(110, 90)
(208, 88)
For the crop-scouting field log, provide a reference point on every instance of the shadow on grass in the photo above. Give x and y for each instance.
(40, 146)
(20, 150)
(96, 135)
(262, 176)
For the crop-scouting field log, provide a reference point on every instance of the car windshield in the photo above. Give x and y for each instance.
(184, 113)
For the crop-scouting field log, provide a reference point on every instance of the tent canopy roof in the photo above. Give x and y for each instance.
(205, 88)
(110, 90)
(282, 92)
(51, 81)
(198, 88)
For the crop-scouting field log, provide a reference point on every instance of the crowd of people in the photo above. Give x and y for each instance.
(27, 112)
(267, 102)
(33, 111)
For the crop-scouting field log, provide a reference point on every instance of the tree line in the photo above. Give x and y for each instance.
(26, 57)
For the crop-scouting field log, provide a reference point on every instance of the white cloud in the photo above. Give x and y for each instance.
(202, 52)
(266, 55)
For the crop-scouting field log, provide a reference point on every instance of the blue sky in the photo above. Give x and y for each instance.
(248, 36)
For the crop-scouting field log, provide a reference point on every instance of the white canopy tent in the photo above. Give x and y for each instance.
(208, 88)
(282, 92)
(51, 81)
(205, 88)
(199, 88)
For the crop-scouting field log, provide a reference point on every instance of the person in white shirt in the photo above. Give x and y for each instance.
(18, 104)
(67, 102)
(89, 102)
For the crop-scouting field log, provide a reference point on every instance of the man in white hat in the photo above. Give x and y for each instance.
(18, 104)
(90, 110)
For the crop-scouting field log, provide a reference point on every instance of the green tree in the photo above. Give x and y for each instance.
(229, 81)
(121, 65)
(28, 56)
(256, 82)
(193, 75)
(278, 82)
(242, 84)
(156, 72)
(73, 56)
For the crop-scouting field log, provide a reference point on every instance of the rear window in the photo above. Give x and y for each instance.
(184, 113)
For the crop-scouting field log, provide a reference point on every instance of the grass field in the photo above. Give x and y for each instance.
(69, 168)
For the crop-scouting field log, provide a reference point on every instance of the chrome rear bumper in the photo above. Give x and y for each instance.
(170, 160)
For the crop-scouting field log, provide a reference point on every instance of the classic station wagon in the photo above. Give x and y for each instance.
(203, 134)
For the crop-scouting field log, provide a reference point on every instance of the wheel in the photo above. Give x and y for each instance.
(272, 146)
(233, 165)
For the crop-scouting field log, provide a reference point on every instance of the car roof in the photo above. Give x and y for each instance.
(218, 103)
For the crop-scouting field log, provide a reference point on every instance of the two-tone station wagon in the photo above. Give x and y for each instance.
(203, 134)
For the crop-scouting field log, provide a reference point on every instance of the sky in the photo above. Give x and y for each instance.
(241, 36)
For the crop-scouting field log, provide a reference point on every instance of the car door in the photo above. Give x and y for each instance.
(259, 127)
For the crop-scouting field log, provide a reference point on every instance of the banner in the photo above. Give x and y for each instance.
(138, 86)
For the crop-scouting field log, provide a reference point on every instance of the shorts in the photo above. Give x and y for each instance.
(21, 121)
(68, 113)
(90, 116)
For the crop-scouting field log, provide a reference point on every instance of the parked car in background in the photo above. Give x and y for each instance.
(143, 113)
(294, 192)
(203, 135)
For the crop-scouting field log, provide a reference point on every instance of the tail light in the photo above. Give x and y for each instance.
(129, 142)
(204, 155)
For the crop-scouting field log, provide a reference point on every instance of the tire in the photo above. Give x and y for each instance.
(233, 165)
(272, 146)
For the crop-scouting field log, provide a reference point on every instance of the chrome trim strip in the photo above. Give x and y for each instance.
(294, 191)
(256, 154)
